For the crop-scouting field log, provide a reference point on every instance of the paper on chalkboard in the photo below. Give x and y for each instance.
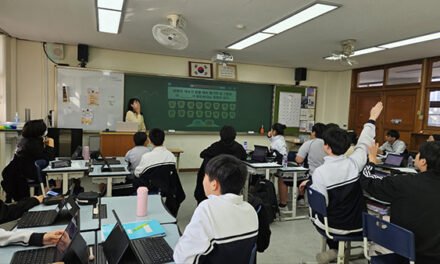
(93, 96)
(87, 116)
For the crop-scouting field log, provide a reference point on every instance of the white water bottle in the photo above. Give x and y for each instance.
(245, 145)
(285, 160)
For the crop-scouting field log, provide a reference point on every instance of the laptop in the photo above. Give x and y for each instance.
(70, 248)
(107, 168)
(127, 126)
(48, 217)
(118, 248)
(259, 154)
(391, 161)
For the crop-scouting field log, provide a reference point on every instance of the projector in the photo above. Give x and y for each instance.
(223, 57)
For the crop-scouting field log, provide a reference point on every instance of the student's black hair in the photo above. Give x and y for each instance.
(393, 133)
(279, 128)
(353, 138)
(229, 171)
(431, 152)
(337, 139)
(319, 129)
(34, 128)
(227, 134)
(436, 137)
(130, 102)
(139, 138)
(331, 125)
(157, 136)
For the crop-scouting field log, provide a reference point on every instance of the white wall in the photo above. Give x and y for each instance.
(28, 82)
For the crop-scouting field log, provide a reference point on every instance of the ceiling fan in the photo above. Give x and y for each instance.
(171, 36)
(344, 55)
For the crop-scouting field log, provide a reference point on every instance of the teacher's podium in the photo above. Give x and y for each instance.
(116, 144)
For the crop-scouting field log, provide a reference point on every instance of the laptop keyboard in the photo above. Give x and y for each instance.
(34, 256)
(156, 248)
(37, 218)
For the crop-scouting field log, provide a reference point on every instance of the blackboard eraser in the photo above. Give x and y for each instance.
(171, 130)
(251, 132)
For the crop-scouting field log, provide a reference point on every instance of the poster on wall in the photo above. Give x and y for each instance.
(289, 109)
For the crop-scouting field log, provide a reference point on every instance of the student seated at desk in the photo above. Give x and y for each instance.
(338, 181)
(277, 141)
(226, 145)
(223, 228)
(159, 155)
(25, 238)
(311, 151)
(414, 198)
(433, 137)
(32, 147)
(134, 155)
(392, 144)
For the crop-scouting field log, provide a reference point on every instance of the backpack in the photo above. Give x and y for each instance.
(265, 190)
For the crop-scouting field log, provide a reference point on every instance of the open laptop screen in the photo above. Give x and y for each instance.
(260, 153)
(64, 242)
(394, 160)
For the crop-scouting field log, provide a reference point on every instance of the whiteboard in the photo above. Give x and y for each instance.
(89, 99)
(289, 109)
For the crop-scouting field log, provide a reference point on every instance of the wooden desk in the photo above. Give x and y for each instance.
(116, 144)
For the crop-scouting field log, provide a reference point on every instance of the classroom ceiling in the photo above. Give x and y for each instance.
(211, 26)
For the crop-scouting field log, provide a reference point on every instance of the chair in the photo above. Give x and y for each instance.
(34, 184)
(389, 236)
(318, 204)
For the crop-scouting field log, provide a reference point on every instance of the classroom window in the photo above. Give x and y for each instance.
(369, 79)
(435, 76)
(434, 109)
(404, 74)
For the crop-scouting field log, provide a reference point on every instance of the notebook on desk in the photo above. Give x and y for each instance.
(65, 210)
(391, 161)
(118, 248)
(70, 248)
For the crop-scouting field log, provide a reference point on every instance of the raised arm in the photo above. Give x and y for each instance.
(359, 156)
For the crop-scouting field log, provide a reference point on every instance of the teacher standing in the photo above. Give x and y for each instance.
(134, 114)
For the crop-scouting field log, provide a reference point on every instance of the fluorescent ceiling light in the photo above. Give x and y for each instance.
(300, 17)
(411, 41)
(111, 4)
(249, 41)
(108, 21)
(365, 51)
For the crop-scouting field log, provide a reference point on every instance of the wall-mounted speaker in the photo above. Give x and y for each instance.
(55, 51)
(300, 75)
(83, 54)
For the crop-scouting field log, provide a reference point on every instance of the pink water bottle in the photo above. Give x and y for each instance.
(142, 201)
(86, 154)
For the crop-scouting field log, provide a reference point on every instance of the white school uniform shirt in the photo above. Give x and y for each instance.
(279, 144)
(159, 155)
(216, 218)
(398, 147)
(134, 156)
(19, 237)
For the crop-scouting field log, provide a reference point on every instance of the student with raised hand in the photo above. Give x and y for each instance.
(226, 145)
(338, 180)
(223, 228)
(414, 198)
(392, 144)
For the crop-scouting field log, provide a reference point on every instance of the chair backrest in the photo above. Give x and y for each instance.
(388, 235)
(317, 202)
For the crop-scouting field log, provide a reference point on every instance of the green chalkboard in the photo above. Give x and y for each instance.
(185, 104)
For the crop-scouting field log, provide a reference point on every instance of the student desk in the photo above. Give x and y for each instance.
(6, 253)
(254, 168)
(288, 172)
(75, 171)
(108, 177)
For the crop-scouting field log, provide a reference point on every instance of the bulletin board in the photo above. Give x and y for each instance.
(294, 106)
